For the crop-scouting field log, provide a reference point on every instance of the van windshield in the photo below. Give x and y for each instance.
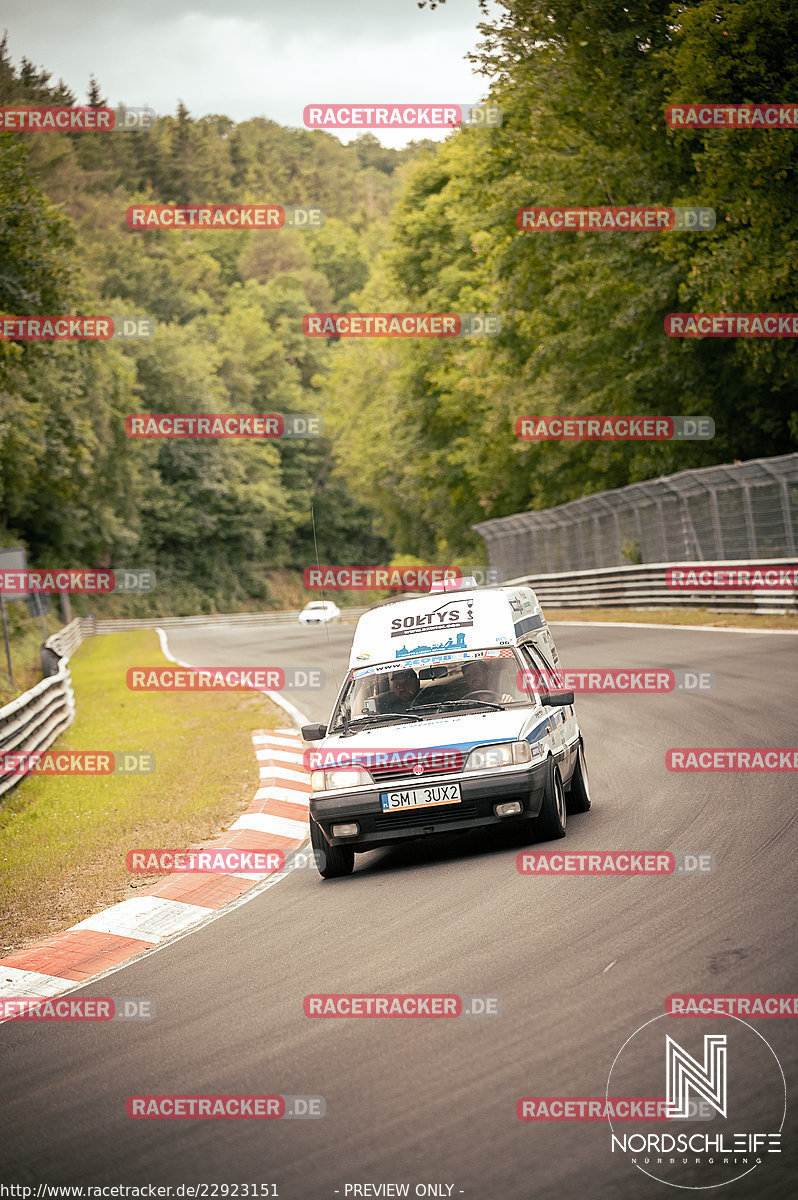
(452, 687)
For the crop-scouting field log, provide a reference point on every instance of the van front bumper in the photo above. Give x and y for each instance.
(479, 793)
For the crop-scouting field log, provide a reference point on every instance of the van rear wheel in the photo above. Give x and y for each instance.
(332, 861)
(578, 798)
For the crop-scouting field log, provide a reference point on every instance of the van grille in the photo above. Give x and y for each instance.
(447, 762)
(418, 816)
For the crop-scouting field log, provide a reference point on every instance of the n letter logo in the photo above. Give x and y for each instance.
(684, 1073)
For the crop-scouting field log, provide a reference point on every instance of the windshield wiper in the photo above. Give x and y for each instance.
(371, 718)
(439, 704)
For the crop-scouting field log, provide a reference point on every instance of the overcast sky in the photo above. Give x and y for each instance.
(249, 58)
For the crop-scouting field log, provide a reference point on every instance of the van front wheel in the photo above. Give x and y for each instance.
(549, 824)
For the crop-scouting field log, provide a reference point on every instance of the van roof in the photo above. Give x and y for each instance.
(445, 625)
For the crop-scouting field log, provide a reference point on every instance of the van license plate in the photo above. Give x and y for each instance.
(427, 797)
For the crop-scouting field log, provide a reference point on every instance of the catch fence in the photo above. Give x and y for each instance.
(744, 511)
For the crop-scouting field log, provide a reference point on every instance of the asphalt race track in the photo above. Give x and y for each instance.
(578, 964)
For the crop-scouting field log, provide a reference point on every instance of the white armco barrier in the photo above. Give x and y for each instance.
(36, 718)
(645, 586)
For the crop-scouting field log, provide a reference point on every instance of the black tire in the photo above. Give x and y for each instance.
(578, 796)
(331, 861)
(549, 824)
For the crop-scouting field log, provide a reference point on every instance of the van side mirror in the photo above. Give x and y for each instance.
(557, 699)
(313, 733)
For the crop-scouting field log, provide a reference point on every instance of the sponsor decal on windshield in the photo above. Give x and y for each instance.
(424, 660)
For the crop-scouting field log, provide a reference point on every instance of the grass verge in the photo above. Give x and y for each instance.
(675, 616)
(63, 840)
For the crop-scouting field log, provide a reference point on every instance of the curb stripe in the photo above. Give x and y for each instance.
(172, 905)
(268, 772)
(289, 757)
(296, 807)
(146, 918)
(266, 823)
(75, 954)
(253, 839)
(280, 793)
(300, 786)
(201, 889)
(16, 982)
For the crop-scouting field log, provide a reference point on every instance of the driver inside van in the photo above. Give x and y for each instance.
(405, 687)
(479, 678)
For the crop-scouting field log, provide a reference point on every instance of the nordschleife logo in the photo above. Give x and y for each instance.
(726, 1102)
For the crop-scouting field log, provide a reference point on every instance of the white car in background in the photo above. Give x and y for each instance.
(319, 612)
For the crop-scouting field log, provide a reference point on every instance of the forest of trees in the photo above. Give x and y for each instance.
(583, 88)
(421, 439)
(210, 517)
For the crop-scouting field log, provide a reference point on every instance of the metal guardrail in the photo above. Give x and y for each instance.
(66, 641)
(644, 587)
(101, 625)
(35, 719)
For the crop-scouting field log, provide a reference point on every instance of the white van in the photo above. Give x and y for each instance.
(445, 723)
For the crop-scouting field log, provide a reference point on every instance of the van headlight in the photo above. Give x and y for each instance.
(339, 777)
(500, 754)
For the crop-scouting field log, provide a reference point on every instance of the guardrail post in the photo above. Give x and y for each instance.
(5, 638)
